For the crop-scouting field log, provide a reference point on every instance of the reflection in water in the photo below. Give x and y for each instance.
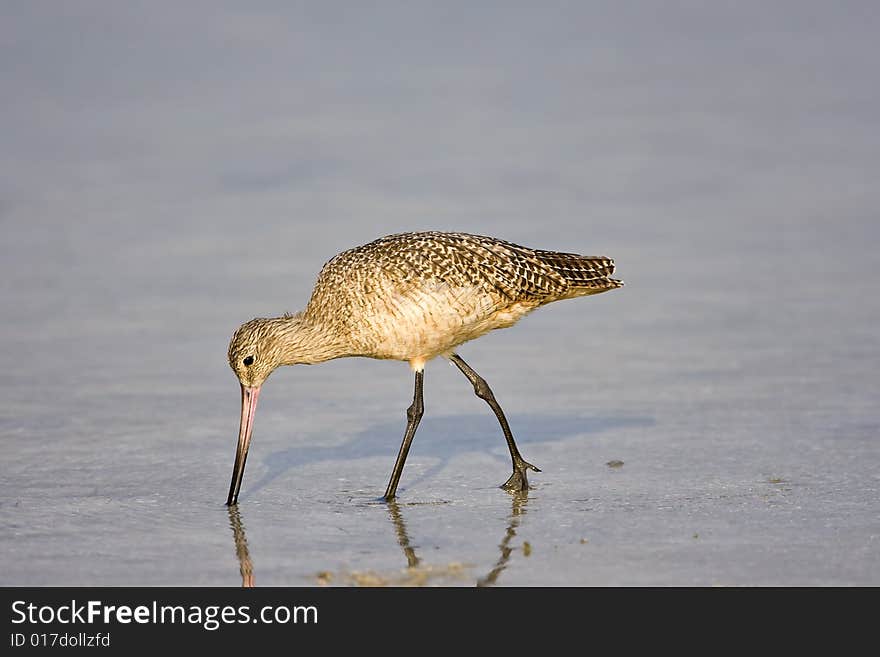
(417, 573)
(246, 566)
(402, 537)
(518, 510)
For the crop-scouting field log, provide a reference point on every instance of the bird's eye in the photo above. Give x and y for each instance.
(248, 361)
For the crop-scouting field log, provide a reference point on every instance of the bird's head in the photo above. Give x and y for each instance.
(255, 351)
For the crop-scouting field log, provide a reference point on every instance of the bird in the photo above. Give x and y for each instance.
(411, 297)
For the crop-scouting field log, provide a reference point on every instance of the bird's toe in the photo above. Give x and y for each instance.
(518, 481)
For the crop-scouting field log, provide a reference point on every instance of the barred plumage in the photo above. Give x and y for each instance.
(412, 297)
(461, 259)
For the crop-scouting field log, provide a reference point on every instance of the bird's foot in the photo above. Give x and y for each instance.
(518, 480)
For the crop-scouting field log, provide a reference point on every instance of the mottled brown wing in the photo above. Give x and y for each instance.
(582, 272)
(507, 273)
(507, 270)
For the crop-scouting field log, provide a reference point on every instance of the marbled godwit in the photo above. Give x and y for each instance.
(411, 297)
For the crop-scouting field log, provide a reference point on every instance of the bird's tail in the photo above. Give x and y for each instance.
(585, 274)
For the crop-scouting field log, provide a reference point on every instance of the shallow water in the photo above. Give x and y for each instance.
(165, 178)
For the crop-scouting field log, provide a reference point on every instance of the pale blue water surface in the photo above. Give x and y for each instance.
(168, 174)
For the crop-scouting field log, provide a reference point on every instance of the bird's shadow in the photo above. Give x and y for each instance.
(442, 438)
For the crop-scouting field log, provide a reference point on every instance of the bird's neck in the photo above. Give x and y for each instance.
(304, 341)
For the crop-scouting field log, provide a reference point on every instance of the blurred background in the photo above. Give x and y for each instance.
(170, 170)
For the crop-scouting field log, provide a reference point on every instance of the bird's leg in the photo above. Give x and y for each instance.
(518, 480)
(413, 416)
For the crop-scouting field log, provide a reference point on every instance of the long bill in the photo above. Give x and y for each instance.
(248, 410)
